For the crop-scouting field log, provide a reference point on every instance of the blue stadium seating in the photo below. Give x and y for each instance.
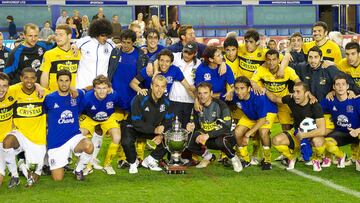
(283, 32)
(261, 31)
(293, 30)
(271, 32)
(242, 32)
(306, 31)
(209, 33)
(237, 31)
(221, 33)
(199, 32)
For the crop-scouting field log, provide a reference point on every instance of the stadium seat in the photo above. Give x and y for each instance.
(237, 31)
(306, 31)
(293, 30)
(261, 31)
(209, 33)
(283, 31)
(271, 32)
(241, 32)
(221, 33)
(199, 32)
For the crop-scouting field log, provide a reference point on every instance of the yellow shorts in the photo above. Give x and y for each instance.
(89, 124)
(270, 118)
(237, 114)
(120, 115)
(284, 114)
(294, 142)
(328, 123)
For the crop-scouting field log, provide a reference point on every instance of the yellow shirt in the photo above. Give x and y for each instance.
(330, 50)
(6, 113)
(354, 72)
(29, 117)
(234, 65)
(249, 62)
(278, 86)
(58, 59)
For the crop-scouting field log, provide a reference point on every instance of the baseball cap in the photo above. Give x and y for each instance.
(190, 47)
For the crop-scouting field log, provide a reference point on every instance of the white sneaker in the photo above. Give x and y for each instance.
(88, 170)
(109, 170)
(151, 163)
(309, 163)
(316, 165)
(280, 158)
(236, 164)
(96, 165)
(291, 164)
(254, 161)
(341, 162)
(326, 162)
(357, 163)
(349, 162)
(134, 167)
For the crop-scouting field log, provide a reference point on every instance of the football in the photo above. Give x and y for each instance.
(307, 125)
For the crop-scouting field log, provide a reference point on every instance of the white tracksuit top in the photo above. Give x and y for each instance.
(94, 60)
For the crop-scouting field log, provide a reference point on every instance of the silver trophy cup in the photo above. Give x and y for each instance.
(175, 142)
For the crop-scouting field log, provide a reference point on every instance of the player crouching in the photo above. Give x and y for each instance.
(212, 129)
(287, 143)
(345, 114)
(99, 108)
(64, 135)
(259, 115)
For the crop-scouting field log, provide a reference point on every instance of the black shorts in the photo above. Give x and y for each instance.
(343, 138)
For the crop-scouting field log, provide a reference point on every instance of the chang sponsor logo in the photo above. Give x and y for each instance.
(101, 116)
(66, 117)
(343, 121)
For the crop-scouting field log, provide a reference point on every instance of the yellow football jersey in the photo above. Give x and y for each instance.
(6, 113)
(29, 117)
(354, 72)
(58, 59)
(249, 62)
(330, 50)
(278, 86)
(234, 65)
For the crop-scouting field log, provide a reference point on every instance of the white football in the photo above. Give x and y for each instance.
(307, 125)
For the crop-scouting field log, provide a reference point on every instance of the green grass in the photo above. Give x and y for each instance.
(213, 184)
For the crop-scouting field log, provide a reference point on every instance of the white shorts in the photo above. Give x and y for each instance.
(58, 157)
(2, 160)
(34, 153)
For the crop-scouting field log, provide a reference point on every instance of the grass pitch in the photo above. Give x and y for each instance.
(213, 184)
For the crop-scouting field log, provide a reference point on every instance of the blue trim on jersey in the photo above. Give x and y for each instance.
(46, 46)
(7, 48)
(169, 116)
(135, 118)
(84, 44)
(144, 100)
(97, 59)
(16, 61)
(166, 101)
(110, 44)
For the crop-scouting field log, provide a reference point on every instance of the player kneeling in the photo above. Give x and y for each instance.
(260, 114)
(99, 107)
(64, 135)
(345, 114)
(212, 129)
(287, 143)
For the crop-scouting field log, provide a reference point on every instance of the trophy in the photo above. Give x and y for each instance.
(175, 142)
